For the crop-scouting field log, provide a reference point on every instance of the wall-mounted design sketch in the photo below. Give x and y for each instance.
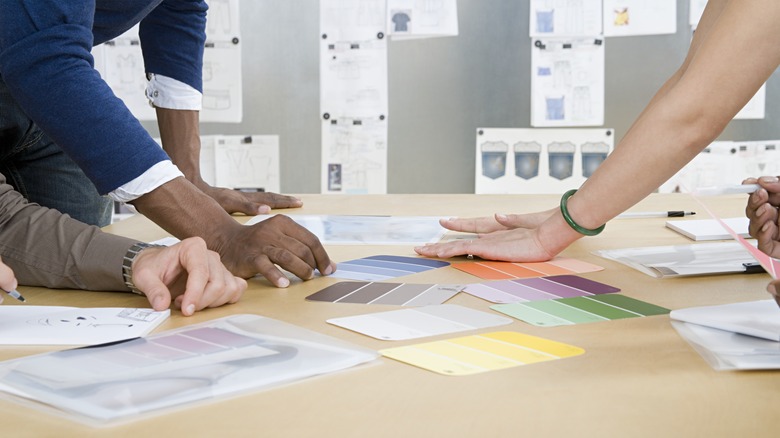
(347, 20)
(249, 162)
(567, 82)
(354, 156)
(411, 19)
(564, 18)
(639, 17)
(543, 161)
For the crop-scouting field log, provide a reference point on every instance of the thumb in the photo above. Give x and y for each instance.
(247, 207)
(157, 293)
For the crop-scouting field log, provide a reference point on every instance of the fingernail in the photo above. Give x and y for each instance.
(501, 217)
(454, 218)
(284, 282)
(189, 310)
(263, 209)
(769, 179)
(765, 226)
(771, 289)
(328, 270)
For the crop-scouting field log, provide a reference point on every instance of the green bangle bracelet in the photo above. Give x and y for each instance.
(570, 221)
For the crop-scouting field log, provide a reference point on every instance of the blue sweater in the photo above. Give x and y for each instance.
(46, 63)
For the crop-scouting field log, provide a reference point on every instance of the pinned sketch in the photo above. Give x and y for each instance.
(120, 63)
(353, 78)
(350, 20)
(243, 162)
(538, 160)
(555, 18)
(247, 162)
(639, 17)
(354, 156)
(567, 82)
(411, 19)
(726, 162)
(55, 325)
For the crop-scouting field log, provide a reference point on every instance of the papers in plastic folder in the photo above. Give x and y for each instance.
(222, 357)
(741, 336)
(682, 260)
(368, 230)
(710, 229)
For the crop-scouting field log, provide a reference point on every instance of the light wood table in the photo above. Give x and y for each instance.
(637, 377)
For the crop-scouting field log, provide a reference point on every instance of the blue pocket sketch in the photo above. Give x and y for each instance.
(494, 159)
(545, 21)
(593, 154)
(555, 109)
(527, 159)
(561, 159)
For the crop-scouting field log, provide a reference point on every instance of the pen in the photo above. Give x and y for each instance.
(640, 214)
(14, 293)
(726, 190)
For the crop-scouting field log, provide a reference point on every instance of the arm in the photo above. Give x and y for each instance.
(735, 54)
(42, 247)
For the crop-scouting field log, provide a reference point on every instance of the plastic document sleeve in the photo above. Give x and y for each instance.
(241, 353)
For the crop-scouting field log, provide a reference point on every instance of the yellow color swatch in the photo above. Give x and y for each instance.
(481, 353)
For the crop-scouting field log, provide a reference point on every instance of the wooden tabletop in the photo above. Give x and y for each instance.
(637, 377)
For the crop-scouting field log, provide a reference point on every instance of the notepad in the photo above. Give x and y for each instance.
(56, 325)
(754, 318)
(709, 229)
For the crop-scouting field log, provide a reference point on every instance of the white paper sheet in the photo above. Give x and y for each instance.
(413, 19)
(567, 82)
(349, 20)
(55, 325)
(368, 230)
(354, 156)
(554, 18)
(639, 17)
(709, 229)
(247, 162)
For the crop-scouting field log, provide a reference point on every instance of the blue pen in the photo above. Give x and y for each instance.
(14, 293)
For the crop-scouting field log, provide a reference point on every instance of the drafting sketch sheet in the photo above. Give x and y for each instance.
(354, 156)
(556, 18)
(639, 17)
(56, 325)
(567, 82)
(247, 162)
(411, 19)
(350, 20)
(726, 162)
(538, 160)
(353, 78)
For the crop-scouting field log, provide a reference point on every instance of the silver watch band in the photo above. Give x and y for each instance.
(127, 264)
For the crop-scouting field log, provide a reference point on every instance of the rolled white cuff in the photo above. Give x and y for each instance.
(165, 92)
(154, 177)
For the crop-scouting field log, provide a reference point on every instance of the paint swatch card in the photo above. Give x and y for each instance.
(416, 323)
(507, 270)
(384, 267)
(481, 353)
(579, 310)
(399, 294)
(537, 289)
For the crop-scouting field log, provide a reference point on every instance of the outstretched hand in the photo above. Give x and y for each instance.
(187, 275)
(762, 210)
(512, 237)
(249, 203)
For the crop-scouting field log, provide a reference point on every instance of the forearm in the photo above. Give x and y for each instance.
(184, 211)
(180, 134)
(47, 248)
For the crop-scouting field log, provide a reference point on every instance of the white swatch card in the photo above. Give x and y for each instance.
(420, 322)
(55, 325)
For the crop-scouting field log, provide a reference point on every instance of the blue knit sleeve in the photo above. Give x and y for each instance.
(46, 63)
(173, 36)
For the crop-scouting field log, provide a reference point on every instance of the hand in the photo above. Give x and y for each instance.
(762, 211)
(234, 201)
(186, 273)
(7, 279)
(502, 237)
(248, 250)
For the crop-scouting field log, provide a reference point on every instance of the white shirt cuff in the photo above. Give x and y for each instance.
(154, 177)
(165, 92)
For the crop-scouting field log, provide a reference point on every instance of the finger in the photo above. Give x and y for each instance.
(472, 225)
(772, 288)
(7, 278)
(767, 238)
(268, 269)
(217, 289)
(238, 202)
(532, 220)
(312, 251)
(156, 292)
(275, 200)
(445, 250)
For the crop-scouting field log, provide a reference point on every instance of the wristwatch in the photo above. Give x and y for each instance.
(127, 264)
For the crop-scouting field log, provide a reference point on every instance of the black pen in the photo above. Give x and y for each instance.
(641, 214)
(14, 293)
